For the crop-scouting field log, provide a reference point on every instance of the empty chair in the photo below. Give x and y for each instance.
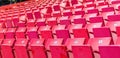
(45, 32)
(74, 41)
(15, 20)
(41, 22)
(93, 25)
(78, 12)
(114, 17)
(64, 21)
(30, 23)
(96, 42)
(2, 31)
(7, 48)
(29, 15)
(67, 13)
(20, 32)
(10, 33)
(50, 42)
(8, 23)
(109, 51)
(37, 14)
(75, 26)
(102, 32)
(81, 33)
(52, 21)
(21, 48)
(62, 33)
(32, 33)
(56, 14)
(56, 7)
(93, 11)
(118, 31)
(79, 21)
(97, 20)
(37, 48)
(57, 49)
(112, 25)
(107, 11)
(82, 51)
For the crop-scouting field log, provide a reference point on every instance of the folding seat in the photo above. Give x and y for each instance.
(74, 26)
(97, 19)
(21, 24)
(56, 7)
(73, 2)
(93, 25)
(20, 48)
(82, 51)
(15, 20)
(79, 12)
(37, 14)
(81, 33)
(93, 11)
(98, 32)
(45, 32)
(102, 5)
(10, 33)
(87, 16)
(64, 20)
(77, 20)
(7, 48)
(37, 48)
(54, 41)
(22, 21)
(112, 25)
(114, 17)
(52, 21)
(9, 23)
(74, 42)
(115, 4)
(112, 50)
(2, 25)
(89, 7)
(54, 28)
(118, 31)
(67, 13)
(107, 11)
(32, 33)
(49, 9)
(2, 31)
(58, 50)
(20, 32)
(78, 6)
(30, 23)
(62, 33)
(41, 22)
(47, 15)
(101, 41)
(56, 14)
(29, 15)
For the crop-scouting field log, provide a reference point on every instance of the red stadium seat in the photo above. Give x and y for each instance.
(32, 33)
(96, 42)
(98, 32)
(7, 48)
(20, 32)
(74, 42)
(37, 48)
(45, 32)
(84, 51)
(21, 48)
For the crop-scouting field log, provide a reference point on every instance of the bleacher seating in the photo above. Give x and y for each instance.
(60, 29)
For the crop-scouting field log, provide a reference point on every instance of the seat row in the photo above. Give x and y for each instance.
(35, 48)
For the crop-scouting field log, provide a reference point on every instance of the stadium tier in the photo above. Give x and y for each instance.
(60, 29)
